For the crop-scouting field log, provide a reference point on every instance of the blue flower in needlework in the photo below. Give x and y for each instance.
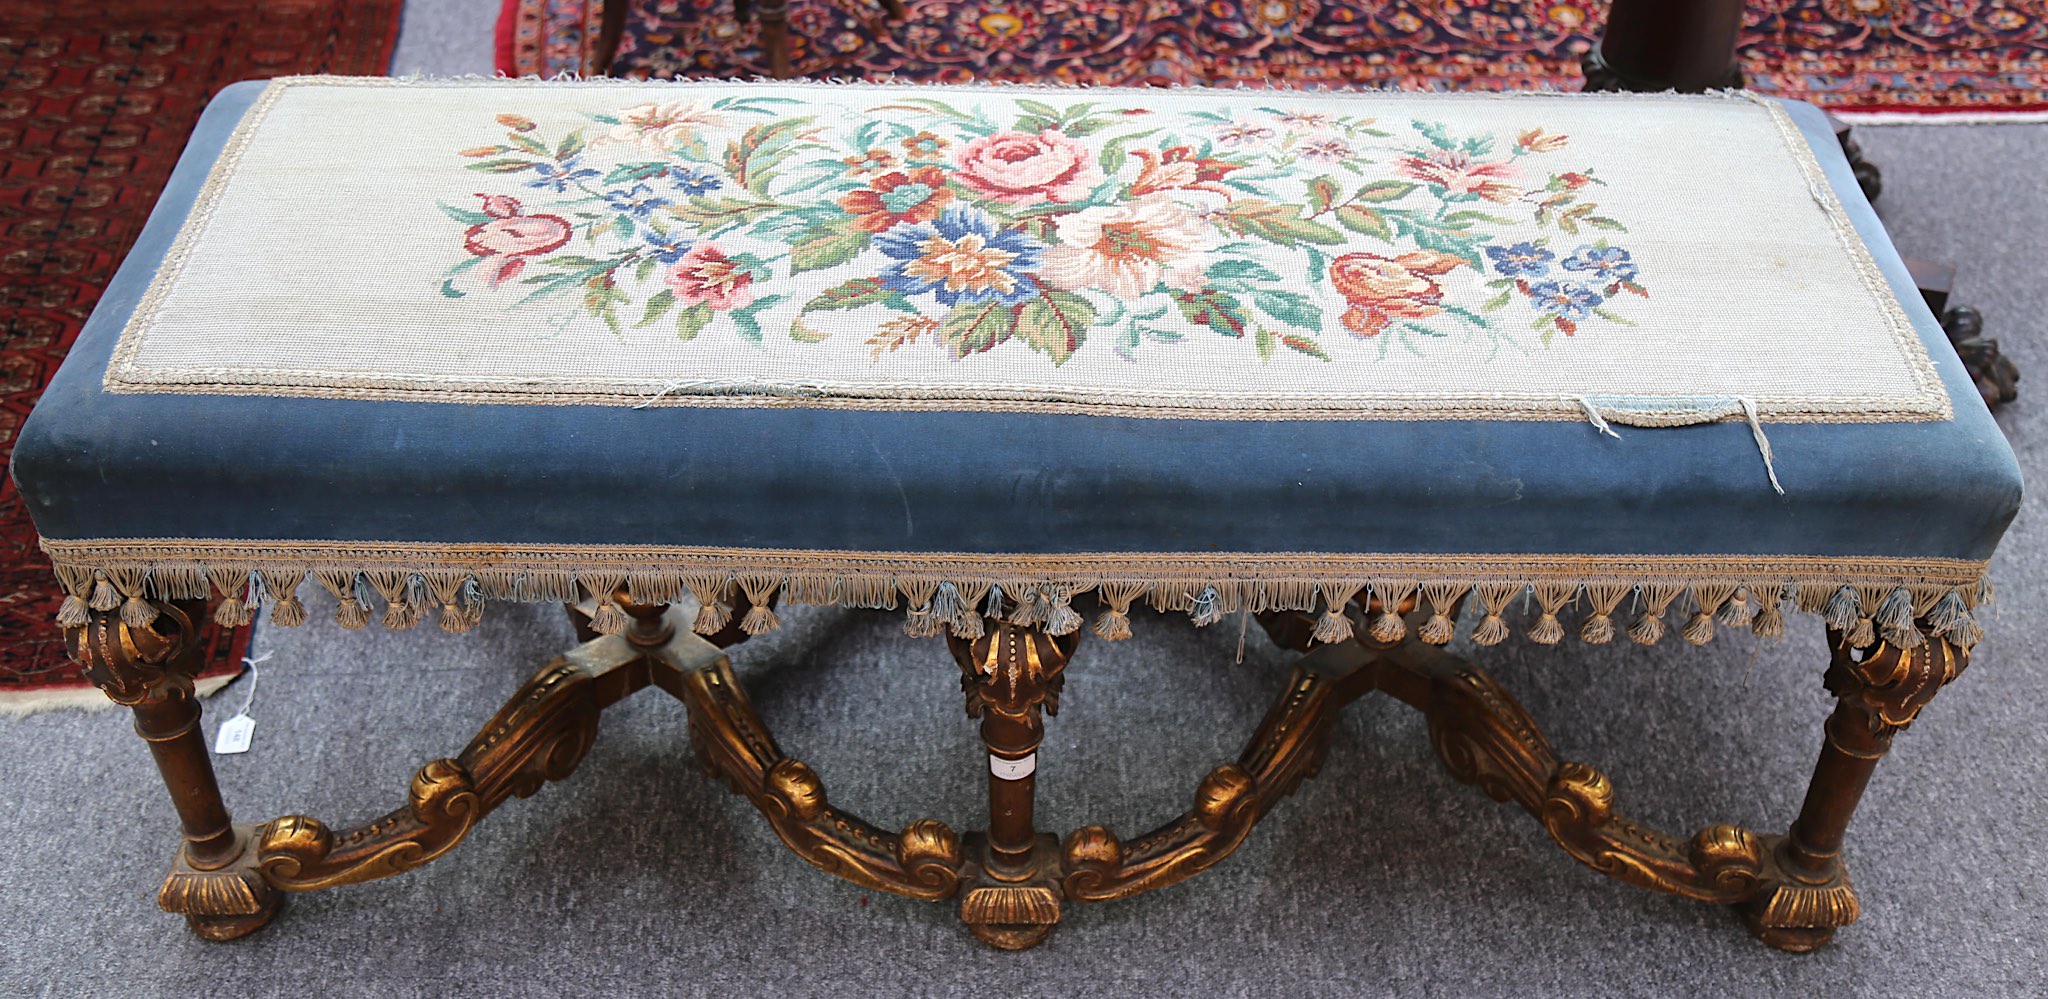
(694, 180)
(961, 257)
(1521, 260)
(557, 177)
(1572, 301)
(666, 248)
(1608, 263)
(639, 202)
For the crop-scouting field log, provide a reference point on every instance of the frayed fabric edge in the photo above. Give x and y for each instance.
(1866, 598)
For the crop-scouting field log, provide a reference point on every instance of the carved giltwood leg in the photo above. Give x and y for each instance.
(148, 666)
(1012, 676)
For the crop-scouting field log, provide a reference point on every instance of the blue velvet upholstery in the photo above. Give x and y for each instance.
(94, 465)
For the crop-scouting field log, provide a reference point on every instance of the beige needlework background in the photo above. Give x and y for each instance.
(347, 242)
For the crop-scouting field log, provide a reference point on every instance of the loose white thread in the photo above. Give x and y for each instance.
(1593, 415)
(1763, 444)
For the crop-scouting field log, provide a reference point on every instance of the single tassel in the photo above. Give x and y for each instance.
(1842, 610)
(1115, 623)
(1333, 626)
(609, 618)
(72, 613)
(1597, 630)
(1946, 614)
(920, 622)
(1388, 628)
(1862, 635)
(232, 613)
(137, 612)
(104, 596)
(352, 613)
(1770, 621)
(1493, 629)
(760, 591)
(995, 602)
(945, 607)
(1551, 598)
(1699, 630)
(1737, 613)
(1648, 629)
(1207, 607)
(1060, 619)
(287, 612)
(466, 611)
(1894, 620)
(1031, 607)
(1439, 629)
(714, 606)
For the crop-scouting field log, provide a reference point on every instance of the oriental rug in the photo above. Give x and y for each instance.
(1848, 55)
(97, 100)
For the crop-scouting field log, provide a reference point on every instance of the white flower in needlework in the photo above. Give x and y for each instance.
(658, 127)
(1130, 249)
(1457, 173)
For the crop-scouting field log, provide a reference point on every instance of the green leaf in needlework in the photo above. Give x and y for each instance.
(1603, 222)
(713, 215)
(1115, 151)
(646, 269)
(1217, 310)
(1434, 132)
(624, 225)
(1039, 108)
(502, 166)
(1384, 190)
(1469, 215)
(571, 144)
(691, 321)
(1290, 307)
(464, 215)
(1277, 223)
(1361, 219)
(528, 143)
(626, 173)
(971, 329)
(858, 292)
(1266, 342)
(1055, 324)
(1239, 274)
(826, 246)
(803, 332)
(572, 260)
(1306, 345)
(1322, 193)
(658, 306)
(1495, 302)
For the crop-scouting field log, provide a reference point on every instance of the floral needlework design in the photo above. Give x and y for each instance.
(968, 226)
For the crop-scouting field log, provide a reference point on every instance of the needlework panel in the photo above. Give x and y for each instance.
(1167, 253)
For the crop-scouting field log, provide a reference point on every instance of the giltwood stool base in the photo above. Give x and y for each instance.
(1011, 881)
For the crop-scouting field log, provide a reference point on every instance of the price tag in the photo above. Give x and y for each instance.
(234, 735)
(1012, 769)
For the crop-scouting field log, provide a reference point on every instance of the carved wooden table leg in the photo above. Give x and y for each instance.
(141, 656)
(1012, 677)
(775, 37)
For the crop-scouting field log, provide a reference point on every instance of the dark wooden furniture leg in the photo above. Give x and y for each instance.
(1658, 45)
(775, 37)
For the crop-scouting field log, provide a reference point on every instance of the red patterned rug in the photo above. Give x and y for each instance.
(1852, 55)
(96, 100)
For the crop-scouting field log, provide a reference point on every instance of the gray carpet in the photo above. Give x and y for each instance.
(639, 876)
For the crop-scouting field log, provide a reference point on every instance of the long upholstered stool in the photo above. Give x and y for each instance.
(1004, 360)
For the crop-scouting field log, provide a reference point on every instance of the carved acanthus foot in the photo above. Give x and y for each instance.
(225, 902)
(1996, 377)
(1798, 917)
(1007, 905)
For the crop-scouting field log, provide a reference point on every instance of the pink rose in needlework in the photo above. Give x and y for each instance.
(706, 275)
(1127, 250)
(509, 238)
(1381, 290)
(1456, 173)
(1028, 169)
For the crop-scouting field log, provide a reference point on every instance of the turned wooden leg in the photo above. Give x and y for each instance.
(894, 8)
(775, 37)
(1012, 676)
(1879, 691)
(144, 656)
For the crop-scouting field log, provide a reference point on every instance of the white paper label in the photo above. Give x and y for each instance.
(1012, 769)
(234, 735)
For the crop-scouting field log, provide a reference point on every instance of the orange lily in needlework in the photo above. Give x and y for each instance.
(1178, 168)
(1381, 289)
